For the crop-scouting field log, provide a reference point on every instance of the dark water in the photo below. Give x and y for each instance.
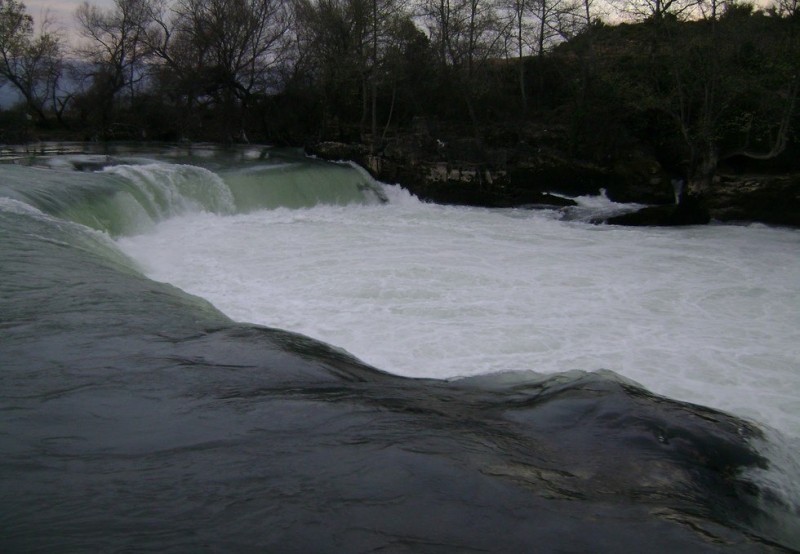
(138, 418)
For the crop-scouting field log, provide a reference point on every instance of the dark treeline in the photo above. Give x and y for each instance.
(702, 82)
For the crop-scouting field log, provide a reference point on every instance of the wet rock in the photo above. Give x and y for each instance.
(454, 169)
(688, 212)
(770, 199)
(459, 171)
(335, 151)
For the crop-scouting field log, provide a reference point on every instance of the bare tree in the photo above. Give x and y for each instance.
(730, 85)
(115, 51)
(231, 49)
(467, 35)
(788, 8)
(343, 44)
(519, 27)
(31, 62)
(555, 20)
(535, 26)
(657, 10)
(465, 32)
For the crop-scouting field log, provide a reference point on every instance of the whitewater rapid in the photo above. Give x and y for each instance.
(701, 314)
(138, 414)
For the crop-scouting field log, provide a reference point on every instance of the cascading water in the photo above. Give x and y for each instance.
(165, 190)
(130, 195)
(677, 189)
(299, 185)
(435, 291)
(139, 416)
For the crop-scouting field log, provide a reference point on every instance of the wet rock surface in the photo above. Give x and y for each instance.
(770, 199)
(458, 172)
(534, 175)
(690, 212)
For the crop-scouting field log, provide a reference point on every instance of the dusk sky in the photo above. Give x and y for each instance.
(62, 11)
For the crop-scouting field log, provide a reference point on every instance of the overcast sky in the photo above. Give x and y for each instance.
(62, 11)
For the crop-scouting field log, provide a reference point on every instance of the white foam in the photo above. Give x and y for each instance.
(169, 189)
(707, 314)
(18, 207)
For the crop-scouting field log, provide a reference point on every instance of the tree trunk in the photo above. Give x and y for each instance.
(374, 78)
(521, 59)
(701, 173)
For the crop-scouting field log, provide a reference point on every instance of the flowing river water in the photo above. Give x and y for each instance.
(541, 381)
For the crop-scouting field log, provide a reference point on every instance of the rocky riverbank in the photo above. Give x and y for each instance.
(455, 171)
(534, 174)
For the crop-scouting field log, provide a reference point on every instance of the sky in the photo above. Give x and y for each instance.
(62, 11)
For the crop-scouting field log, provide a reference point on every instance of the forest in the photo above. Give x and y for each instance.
(700, 82)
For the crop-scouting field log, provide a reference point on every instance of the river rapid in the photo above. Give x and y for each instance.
(256, 351)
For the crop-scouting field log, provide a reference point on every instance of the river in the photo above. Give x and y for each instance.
(249, 351)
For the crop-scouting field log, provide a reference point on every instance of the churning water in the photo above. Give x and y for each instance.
(707, 314)
(139, 416)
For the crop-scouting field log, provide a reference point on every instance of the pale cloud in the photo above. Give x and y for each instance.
(61, 13)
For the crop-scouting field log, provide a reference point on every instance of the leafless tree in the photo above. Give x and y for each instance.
(113, 46)
(31, 61)
(657, 10)
(345, 46)
(231, 47)
(467, 34)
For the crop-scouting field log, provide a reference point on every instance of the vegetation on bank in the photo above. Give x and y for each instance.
(698, 84)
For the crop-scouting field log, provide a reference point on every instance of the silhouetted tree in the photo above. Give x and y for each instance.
(31, 62)
(727, 87)
(468, 35)
(233, 49)
(115, 53)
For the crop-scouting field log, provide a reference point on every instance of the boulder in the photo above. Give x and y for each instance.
(688, 212)
(459, 171)
(770, 199)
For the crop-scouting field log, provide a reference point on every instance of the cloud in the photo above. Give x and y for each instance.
(61, 13)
